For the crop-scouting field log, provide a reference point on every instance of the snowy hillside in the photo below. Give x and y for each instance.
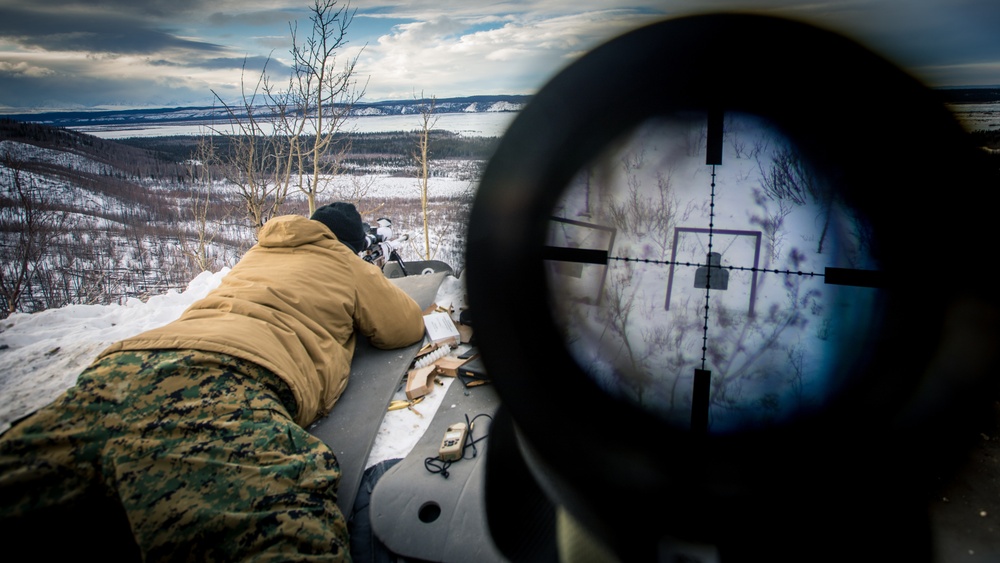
(107, 221)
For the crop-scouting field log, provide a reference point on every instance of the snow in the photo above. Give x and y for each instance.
(386, 186)
(41, 355)
(504, 107)
(33, 153)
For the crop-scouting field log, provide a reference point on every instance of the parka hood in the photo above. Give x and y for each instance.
(292, 230)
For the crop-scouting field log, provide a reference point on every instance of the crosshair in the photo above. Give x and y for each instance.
(769, 313)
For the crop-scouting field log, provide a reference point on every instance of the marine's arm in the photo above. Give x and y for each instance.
(385, 313)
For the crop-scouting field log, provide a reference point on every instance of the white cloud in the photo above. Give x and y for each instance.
(440, 47)
(23, 68)
(479, 56)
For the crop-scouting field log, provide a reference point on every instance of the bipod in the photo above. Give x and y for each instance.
(395, 256)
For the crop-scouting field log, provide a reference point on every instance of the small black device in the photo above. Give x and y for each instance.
(473, 372)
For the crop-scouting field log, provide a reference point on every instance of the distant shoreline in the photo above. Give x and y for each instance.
(71, 118)
(478, 124)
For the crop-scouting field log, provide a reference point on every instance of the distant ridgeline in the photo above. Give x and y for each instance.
(956, 97)
(978, 109)
(983, 95)
(471, 104)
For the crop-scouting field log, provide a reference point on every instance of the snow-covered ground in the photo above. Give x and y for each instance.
(386, 186)
(42, 354)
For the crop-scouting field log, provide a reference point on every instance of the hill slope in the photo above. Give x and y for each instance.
(88, 220)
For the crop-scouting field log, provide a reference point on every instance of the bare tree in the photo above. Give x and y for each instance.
(771, 222)
(200, 170)
(314, 107)
(649, 217)
(356, 191)
(422, 155)
(790, 178)
(787, 177)
(256, 162)
(28, 224)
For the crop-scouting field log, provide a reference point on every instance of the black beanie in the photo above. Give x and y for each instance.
(345, 222)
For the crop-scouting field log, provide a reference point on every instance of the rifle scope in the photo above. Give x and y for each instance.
(759, 335)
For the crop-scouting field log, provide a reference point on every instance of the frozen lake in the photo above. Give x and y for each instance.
(983, 116)
(479, 124)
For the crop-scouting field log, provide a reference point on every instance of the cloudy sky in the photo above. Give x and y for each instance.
(142, 53)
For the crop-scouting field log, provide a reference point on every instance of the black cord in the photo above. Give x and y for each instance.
(438, 465)
(431, 465)
(468, 437)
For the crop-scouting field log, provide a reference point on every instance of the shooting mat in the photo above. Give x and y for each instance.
(422, 515)
(350, 428)
(393, 270)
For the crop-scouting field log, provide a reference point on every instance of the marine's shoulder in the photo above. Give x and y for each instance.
(292, 230)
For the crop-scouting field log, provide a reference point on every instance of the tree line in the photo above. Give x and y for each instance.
(368, 152)
(123, 158)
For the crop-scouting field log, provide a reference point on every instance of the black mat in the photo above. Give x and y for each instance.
(422, 515)
(352, 425)
(394, 270)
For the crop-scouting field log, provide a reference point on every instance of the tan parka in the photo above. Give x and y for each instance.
(292, 305)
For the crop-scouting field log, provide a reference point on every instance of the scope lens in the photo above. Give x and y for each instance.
(752, 270)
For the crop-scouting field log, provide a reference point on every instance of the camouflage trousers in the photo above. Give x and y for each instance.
(198, 449)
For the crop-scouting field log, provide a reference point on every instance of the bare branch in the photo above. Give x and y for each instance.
(255, 163)
(319, 98)
(422, 155)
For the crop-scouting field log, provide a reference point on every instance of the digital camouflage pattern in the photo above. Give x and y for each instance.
(200, 449)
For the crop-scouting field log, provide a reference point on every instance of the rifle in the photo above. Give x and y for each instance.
(381, 247)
